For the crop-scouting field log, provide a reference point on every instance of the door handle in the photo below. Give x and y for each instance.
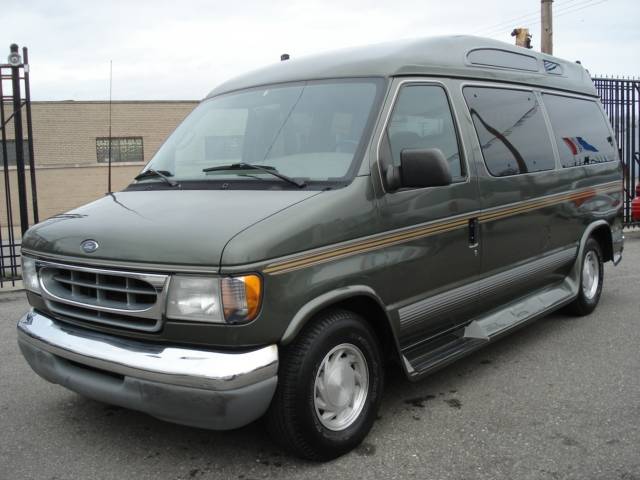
(474, 232)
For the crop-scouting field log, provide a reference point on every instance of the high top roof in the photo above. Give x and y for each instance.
(453, 56)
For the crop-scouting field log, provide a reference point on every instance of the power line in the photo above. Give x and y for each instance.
(562, 13)
(536, 15)
(515, 19)
(566, 12)
(534, 19)
(510, 22)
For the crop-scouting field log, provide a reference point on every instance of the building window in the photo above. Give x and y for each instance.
(123, 149)
(11, 152)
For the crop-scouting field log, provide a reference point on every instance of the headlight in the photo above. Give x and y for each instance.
(214, 300)
(30, 274)
(194, 298)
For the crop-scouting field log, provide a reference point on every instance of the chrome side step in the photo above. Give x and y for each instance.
(425, 358)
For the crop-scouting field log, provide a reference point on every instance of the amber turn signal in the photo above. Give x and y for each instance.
(241, 298)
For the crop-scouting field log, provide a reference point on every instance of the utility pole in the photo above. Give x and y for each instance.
(546, 27)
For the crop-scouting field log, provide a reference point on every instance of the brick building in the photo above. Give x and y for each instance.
(71, 148)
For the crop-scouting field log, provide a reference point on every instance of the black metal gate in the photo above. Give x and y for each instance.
(621, 100)
(16, 150)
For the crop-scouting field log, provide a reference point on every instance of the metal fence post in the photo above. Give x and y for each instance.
(32, 166)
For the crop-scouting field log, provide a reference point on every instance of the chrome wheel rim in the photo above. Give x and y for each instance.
(590, 274)
(341, 386)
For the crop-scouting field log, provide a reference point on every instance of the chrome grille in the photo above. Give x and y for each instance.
(117, 298)
(97, 316)
(98, 289)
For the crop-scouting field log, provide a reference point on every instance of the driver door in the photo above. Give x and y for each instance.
(440, 254)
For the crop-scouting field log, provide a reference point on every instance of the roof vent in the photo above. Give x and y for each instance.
(495, 57)
(284, 56)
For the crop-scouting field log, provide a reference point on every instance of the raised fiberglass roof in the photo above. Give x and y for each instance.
(453, 56)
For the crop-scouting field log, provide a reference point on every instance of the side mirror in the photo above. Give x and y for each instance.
(419, 168)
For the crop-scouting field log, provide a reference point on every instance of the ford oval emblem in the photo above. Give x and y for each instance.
(89, 246)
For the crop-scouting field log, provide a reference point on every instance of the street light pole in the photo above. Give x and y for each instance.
(17, 125)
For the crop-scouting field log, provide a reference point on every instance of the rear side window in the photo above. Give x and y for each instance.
(581, 131)
(511, 130)
(422, 119)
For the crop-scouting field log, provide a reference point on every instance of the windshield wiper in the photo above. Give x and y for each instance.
(162, 174)
(263, 168)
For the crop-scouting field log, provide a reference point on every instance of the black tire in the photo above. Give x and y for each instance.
(292, 420)
(585, 304)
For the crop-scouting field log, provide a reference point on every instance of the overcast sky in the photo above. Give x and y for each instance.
(182, 49)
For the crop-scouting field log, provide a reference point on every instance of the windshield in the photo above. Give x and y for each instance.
(310, 131)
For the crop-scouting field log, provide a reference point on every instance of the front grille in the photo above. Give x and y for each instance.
(123, 299)
(96, 316)
(96, 289)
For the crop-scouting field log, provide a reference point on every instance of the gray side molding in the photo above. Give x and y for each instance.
(325, 300)
(426, 310)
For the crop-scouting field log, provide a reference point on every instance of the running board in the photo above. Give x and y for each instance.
(425, 358)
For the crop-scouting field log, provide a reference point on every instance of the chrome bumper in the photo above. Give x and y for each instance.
(148, 375)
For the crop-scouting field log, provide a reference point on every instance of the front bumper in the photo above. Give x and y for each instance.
(201, 388)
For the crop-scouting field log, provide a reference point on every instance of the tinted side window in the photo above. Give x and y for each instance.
(422, 119)
(511, 130)
(581, 131)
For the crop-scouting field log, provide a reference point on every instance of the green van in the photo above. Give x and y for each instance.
(313, 220)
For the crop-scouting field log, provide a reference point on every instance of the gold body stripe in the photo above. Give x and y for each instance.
(387, 239)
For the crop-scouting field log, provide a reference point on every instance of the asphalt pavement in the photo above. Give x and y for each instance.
(559, 399)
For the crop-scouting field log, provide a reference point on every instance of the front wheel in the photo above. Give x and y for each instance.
(591, 280)
(329, 387)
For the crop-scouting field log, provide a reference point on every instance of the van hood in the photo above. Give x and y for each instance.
(181, 227)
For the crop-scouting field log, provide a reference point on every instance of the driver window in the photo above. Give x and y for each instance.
(422, 119)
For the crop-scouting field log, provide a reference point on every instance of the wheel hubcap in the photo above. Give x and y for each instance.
(341, 386)
(590, 275)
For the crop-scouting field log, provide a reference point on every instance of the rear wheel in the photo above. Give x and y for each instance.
(329, 387)
(591, 280)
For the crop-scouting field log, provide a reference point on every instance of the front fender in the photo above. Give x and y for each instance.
(307, 311)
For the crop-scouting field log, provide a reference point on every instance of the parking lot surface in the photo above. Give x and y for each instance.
(558, 399)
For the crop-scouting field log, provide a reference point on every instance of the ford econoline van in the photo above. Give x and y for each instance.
(310, 221)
